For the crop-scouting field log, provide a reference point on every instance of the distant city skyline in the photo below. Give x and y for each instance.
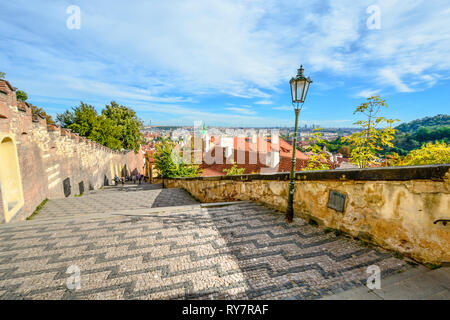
(228, 63)
(306, 126)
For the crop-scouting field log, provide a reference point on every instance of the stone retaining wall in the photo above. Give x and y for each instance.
(396, 208)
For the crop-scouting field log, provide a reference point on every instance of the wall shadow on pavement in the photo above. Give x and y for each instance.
(280, 260)
(173, 197)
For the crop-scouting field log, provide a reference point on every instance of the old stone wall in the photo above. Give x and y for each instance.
(397, 208)
(49, 155)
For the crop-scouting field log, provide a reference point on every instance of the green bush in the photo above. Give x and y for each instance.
(234, 170)
(170, 164)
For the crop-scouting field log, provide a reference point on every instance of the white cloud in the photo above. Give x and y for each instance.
(180, 114)
(241, 110)
(413, 39)
(390, 76)
(265, 102)
(284, 108)
(367, 93)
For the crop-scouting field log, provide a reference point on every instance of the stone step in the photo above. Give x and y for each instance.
(134, 212)
(441, 275)
(142, 212)
(116, 199)
(403, 276)
(145, 211)
(223, 204)
(418, 283)
(418, 287)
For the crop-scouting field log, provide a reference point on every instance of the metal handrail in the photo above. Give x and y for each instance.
(444, 221)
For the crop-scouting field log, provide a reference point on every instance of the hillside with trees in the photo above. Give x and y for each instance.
(422, 141)
(413, 135)
(431, 122)
(409, 136)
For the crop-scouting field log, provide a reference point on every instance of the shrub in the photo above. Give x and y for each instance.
(234, 170)
(430, 153)
(169, 163)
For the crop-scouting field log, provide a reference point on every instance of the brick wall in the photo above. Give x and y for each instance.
(49, 154)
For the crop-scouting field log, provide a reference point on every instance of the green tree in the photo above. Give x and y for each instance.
(429, 153)
(65, 119)
(414, 134)
(436, 121)
(318, 160)
(333, 145)
(370, 140)
(128, 122)
(107, 133)
(169, 162)
(21, 95)
(117, 127)
(2, 75)
(345, 151)
(85, 121)
(234, 170)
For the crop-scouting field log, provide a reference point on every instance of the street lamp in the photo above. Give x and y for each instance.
(299, 90)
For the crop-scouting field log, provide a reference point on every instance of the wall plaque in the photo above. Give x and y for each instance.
(336, 201)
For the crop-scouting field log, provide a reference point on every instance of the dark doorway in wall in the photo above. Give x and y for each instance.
(81, 187)
(67, 187)
(105, 181)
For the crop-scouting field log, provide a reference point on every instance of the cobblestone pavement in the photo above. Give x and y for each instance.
(239, 251)
(129, 197)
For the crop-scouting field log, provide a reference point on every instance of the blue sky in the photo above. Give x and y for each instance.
(228, 63)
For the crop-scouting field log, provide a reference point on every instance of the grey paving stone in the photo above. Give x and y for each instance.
(442, 275)
(443, 295)
(417, 287)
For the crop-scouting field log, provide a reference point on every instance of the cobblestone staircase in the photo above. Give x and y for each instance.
(143, 242)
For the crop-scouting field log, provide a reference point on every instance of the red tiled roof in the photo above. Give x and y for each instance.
(340, 160)
(149, 155)
(250, 148)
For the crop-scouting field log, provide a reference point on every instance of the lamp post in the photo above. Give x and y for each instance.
(299, 89)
